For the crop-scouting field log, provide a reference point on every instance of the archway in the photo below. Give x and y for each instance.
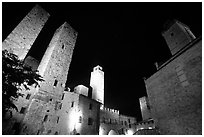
(112, 132)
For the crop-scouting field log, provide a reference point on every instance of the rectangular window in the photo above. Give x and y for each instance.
(22, 110)
(90, 121)
(55, 83)
(90, 106)
(62, 96)
(28, 96)
(57, 119)
(72, 105)
(129, 120)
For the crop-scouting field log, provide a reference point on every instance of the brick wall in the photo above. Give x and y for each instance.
(175, 93)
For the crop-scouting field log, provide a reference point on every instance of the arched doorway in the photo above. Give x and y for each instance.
(112, 132)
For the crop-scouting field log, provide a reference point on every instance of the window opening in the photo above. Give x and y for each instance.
(90, 121)
(90, 106)
(28, 96)
(22, 110)
(72, 105)
(55, 83)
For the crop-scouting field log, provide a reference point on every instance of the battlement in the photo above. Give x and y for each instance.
(109, 109)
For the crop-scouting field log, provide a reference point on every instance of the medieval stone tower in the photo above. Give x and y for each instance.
(20, 40)
(42, 113)
(145, 108)
(97, 83)
(177, 36)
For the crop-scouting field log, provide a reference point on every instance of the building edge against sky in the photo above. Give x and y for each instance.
(175, 90)
(43, 109)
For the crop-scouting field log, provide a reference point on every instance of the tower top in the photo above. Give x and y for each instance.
(97, 68)
(177, 35)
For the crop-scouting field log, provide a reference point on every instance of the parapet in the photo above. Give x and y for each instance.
(109, 109)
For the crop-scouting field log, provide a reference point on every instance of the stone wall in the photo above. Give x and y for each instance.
(47, 101)
(175, 92)
(90, 116)
(20, 40)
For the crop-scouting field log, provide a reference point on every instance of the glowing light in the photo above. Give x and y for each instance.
(150, 128)
(101, 131)
(129, 132)
(74, 119)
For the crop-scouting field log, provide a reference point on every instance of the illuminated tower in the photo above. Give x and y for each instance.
(20, 40)
(42, 113)
(97, 83)
(177, 36)
(145, 108)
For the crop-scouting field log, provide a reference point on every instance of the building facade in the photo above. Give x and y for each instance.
(175, 90)
(52, 108)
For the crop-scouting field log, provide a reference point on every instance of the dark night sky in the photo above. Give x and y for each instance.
(124, 38)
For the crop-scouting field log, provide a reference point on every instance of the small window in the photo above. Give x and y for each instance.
(72, 105)
(90, 121)
(55, 83)
(60, 105)
(129, 120)
(45, 118)
(62, 96)
(172, 34)
(57, 119)
(80, 119)
(22, 110)
(129, 125)
(28, 96)
(62, 46)
(90, 106)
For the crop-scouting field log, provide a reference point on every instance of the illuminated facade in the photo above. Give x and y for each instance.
(175, 90)
(97, 84)
(52, 108)
(20, 40)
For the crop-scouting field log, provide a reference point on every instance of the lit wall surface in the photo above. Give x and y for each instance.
(97, 83)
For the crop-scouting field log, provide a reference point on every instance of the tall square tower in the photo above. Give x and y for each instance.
(97, 83)
(20, 40)
(177, 36)
(46, 104)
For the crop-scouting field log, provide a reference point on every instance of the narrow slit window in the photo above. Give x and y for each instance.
(72, 105)
(55, 83)
(45, 118)
(90, 106)
(28, 96)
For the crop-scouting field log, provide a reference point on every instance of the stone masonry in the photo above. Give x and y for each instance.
(175, 92)
(41, 114)
(20, 40)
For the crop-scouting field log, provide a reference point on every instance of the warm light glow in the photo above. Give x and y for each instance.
(150, 128)
(129, 132)
(74, 119)
(101, 131)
